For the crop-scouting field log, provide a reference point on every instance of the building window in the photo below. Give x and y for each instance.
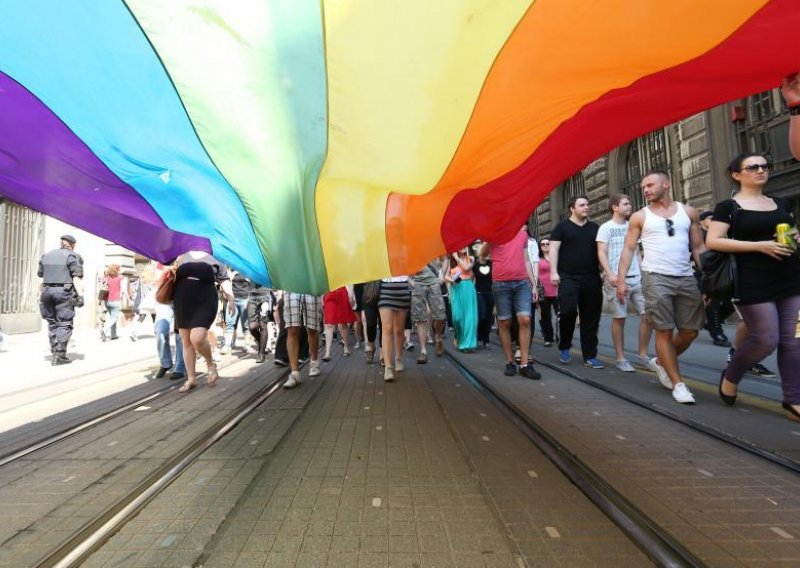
(650, 152)
(766, 129)
(573, 187)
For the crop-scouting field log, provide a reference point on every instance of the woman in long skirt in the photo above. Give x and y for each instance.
(463, 300)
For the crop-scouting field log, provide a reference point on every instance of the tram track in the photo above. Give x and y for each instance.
(652, 539)
(92, 535)
(10, 456)
(696, 425)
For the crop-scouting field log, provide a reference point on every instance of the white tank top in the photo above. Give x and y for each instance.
(664, 254)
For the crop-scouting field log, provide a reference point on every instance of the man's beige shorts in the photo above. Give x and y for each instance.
(673, 302)
(634, 304)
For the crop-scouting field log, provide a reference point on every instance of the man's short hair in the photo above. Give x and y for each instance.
(657, 172)
(615, 200)
(573, 200)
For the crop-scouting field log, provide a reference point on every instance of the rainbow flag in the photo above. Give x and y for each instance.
(313, 143)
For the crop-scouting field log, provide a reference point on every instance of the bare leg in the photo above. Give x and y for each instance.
(293, 347)
(189, 356)
(504, 327)
(329, 328)
(422, 334)
(387, 336)
(524, 339)
(399, 317)
(344, 329)
(313, 344)
(644, 337)
(669, 346)
(618, 337)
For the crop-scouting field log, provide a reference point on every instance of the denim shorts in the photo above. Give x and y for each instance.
(512, 297)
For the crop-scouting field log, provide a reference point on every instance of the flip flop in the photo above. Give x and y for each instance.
(186, 387)
(212, 376)
(422, 359)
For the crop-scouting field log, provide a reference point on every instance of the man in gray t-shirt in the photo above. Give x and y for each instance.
(610, 243)
(426, 294)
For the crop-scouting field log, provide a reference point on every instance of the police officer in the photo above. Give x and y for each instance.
(61, 271)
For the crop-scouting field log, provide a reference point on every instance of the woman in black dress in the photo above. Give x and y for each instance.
(767, 293)
(196, 305)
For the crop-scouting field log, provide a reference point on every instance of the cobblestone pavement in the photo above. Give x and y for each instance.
(728, 507)
(347, 470)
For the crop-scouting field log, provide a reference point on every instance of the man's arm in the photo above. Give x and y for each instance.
(533, 273)
(628, 250)
(791, 94)
(696, 236)
(555, 279)
(602, 256)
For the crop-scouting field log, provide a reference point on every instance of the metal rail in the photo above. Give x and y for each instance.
(92, 535)
(653, 540)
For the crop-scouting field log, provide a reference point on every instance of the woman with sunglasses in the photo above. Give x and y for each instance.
(767, 293)
(548, 295)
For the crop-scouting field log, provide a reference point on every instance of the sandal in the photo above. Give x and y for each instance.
(370, 355)
(212, 376)
(439, 347)
(346, 354)
(326, 359)
(186, 387)
(422, 359)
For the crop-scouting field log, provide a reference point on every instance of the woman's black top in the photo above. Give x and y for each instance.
(483, 276)
(761, 278)
(196, 299)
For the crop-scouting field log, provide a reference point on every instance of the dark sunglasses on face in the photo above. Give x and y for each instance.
(545, 244)
(670, 227)
(753, 168)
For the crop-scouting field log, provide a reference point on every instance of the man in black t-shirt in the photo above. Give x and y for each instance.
(575, 270)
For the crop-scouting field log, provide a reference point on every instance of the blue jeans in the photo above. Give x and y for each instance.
(512, 296)
(162, 329)
(239, 317)
(114, 309)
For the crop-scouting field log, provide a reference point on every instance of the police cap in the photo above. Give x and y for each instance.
(69, 238)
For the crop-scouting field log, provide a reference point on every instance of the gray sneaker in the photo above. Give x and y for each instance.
(625, 366)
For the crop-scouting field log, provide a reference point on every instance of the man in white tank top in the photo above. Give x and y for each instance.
(673, 299)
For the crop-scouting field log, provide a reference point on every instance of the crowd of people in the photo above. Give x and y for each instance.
(645, 263)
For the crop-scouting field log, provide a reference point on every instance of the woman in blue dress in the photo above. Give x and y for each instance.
(463, 300)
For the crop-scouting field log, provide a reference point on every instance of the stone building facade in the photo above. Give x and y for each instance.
(695, 151)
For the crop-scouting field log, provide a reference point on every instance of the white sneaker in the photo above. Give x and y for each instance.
(357, 345)
(388, 374)
(398, 365)
(661, 373)
(293, 380)
(682, 394)
(215, 356)
(625, 366)
(313, 370)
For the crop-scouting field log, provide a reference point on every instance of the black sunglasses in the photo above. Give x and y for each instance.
(753, 168)
(670, 227)
(545, 243)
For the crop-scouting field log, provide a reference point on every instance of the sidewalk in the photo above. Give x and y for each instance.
(26, 363)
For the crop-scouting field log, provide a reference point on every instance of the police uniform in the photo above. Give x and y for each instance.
(57, 302)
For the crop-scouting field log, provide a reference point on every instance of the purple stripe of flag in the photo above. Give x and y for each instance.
(45, 166)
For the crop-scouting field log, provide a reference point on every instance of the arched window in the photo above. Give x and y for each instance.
(573, 187)
(650, 152)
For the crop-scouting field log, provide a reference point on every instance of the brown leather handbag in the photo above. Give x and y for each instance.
(166, 288)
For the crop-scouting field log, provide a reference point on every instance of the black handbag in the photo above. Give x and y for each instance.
(372, 293)
(718, 279)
